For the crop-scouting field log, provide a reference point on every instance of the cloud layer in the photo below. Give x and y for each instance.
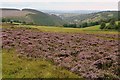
(62, 5)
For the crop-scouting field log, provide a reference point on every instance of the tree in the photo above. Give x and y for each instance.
(24, 22)
(73, 25)
(80, 26)
(8, 20)
(83, 25)
(70, 25)
(96, 23)
(112, 24)
(109, 27)
(65, 25)
(11, 21)
(3, 20)
(118, 26)
(103, 25)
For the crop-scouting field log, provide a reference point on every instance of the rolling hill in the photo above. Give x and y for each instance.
(31, 15)
(90, 17)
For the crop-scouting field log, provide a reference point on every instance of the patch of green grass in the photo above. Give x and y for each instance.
(22, 67)
(55, 29)
(92, 29)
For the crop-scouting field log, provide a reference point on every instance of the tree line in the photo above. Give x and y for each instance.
(112, 25)
(7, 20)
(88, 24)
(82, 25)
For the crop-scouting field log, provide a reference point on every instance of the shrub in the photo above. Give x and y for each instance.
(118, 26)
(24, 22)
(30, 23)
(112, 25)
(103, 25)
(84, 25)
(70, 25)
(65, 25)
(3, 20)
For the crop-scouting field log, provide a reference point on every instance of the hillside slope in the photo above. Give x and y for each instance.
(41, 18)
(31, 15)
(91, 17)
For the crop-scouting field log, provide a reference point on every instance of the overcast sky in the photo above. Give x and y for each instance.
(67, 5)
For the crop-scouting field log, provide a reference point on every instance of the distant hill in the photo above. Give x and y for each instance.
(53, 19)
(9, 9)
(31, 15)
(90, 17)
(44, 18)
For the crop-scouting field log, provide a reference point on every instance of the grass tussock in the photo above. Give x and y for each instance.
(16, 66)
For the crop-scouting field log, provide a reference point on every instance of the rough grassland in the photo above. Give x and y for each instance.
(15, 66)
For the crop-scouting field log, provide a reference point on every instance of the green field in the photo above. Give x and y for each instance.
(92, 29)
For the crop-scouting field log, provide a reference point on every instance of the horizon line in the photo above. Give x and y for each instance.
(60, 9)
